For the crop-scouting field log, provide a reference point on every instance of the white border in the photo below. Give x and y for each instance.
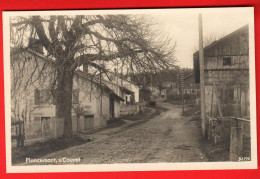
(129, 167)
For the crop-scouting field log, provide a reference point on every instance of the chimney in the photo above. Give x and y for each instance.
(35, 45)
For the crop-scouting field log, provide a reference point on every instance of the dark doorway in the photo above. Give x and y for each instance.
(111, 106)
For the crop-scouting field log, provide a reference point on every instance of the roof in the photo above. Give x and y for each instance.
(80, 73)
(124, 78)
(238, 31)
(188, 76)
(102, 85)
(126, 90)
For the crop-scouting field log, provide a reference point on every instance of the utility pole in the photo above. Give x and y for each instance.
(101, 95)
(182, 90)
(151, 86)
(178, 84)
(202, 82)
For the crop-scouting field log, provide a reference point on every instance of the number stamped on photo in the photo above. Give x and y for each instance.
(244, 159)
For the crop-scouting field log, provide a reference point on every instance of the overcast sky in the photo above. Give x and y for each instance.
(182, 27)
(181, 24)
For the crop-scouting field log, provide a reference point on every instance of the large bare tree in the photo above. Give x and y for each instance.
(131, 42)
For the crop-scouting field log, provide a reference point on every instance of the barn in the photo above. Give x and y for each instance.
(226, 75)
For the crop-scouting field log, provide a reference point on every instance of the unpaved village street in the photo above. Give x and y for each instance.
(167, 137)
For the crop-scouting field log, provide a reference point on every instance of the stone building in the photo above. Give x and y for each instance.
(33, 98)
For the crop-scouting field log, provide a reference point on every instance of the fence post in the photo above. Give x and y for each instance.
(55, 127)
(42, 129)
(19, 141)
(210, 127)
(236, 143)
(22, 135)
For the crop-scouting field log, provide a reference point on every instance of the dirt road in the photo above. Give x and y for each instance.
(168, 137)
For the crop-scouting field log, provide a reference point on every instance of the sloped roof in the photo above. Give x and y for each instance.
(80, 73)
(186, 77)
(126, 90)
(102, 85)
(238, 31)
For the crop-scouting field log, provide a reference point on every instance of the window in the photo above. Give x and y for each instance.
(75, 96)
(37, 97)
(86, 116)
(227, 61)
(43, 97)
(37, 118)
(46, 97)
(45, 118)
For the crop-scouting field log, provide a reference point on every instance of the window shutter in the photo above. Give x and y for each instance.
(54, 97)
(37, 97)
(75, 96)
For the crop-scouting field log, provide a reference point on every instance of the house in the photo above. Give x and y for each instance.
(128, 90)
(191, 90)
(124, 87)
(189, 85)
(33, 99)
(226, 64)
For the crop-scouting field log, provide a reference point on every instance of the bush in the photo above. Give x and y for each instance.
(152, 103)
(176, 97)
(172, 97)
(145, 94)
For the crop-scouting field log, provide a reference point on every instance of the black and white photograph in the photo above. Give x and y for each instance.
(130, 90)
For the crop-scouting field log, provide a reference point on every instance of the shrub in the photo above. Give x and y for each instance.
(176, 97)
(152, 103)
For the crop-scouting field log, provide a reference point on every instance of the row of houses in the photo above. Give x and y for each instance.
(96, 99)
(169, 89)
(187, 86)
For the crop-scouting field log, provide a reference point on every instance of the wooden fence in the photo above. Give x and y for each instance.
(232, 131)
(43, 129)
(17, 133)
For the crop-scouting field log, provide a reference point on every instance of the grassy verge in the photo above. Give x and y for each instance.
(213, 152)
(191, 111)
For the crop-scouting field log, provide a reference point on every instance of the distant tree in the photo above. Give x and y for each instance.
(209, 39)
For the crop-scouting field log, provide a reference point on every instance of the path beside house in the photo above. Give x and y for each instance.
(168, 137)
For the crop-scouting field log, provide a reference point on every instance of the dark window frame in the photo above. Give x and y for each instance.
(227, 61)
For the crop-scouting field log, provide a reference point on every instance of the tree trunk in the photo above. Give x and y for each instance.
(64, 97)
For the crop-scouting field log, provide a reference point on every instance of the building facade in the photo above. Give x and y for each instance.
(226, 65)
(189, 85)
(33, 98)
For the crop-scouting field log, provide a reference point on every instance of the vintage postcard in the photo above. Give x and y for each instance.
(130, 90)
